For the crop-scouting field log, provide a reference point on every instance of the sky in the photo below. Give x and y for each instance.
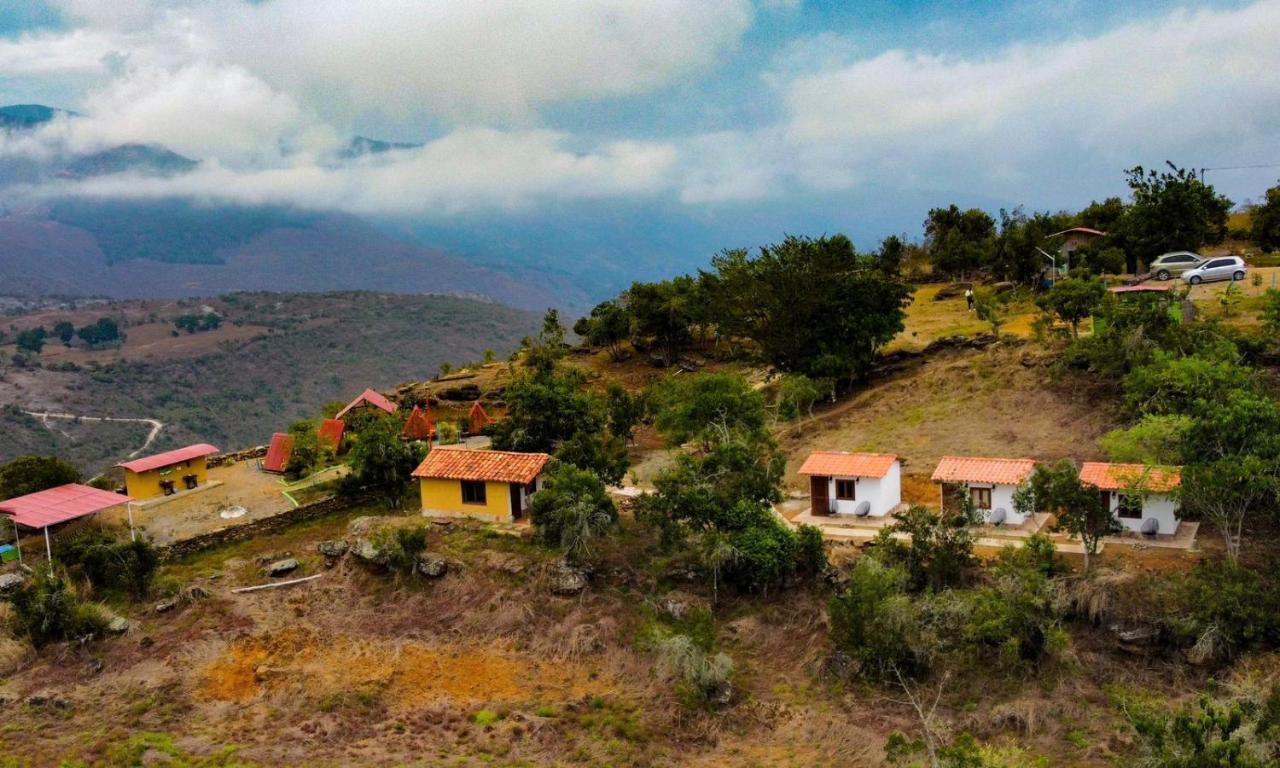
(707, 106)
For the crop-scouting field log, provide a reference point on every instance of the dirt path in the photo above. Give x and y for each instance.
(156, 425)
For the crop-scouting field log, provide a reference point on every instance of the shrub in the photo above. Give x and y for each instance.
(705, 676)
(872, 620)
(571, 510)
(46, 610)
(1231, 734)
(401, 546)
(1224, 610)
(811, 554)
(109, 563)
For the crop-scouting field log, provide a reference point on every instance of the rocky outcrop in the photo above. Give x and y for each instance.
(281, 567)
(432, 566)
(567, 581)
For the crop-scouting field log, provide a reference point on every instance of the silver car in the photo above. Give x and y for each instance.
(1174, 263)
(1217, 268)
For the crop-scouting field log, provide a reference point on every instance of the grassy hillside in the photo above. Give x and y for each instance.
(278, 357)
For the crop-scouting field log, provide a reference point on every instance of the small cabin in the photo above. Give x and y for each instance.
(419, 425)
(988, 483)
(278, 452)
(479, 483)
(856, 484)
(368, 399)
(168, 473)
(1142, 498)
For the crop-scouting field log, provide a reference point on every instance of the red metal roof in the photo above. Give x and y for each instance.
(971, 469)
(1119, 477)
(278, 452)
(845, 464)
(60, 504)
(478, 417)
(1143, 288)
(369, 397)
(169, 458)
(418, 426)
(331, 431)
(452, 463)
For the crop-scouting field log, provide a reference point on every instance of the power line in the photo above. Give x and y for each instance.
(1241, 167)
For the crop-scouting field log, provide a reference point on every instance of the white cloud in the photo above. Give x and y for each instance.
(78, 51)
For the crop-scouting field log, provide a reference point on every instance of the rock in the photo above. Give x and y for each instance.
(281, 567)
(147, 641)
(118, 626)
(951, 291)
(361, 526)
(48, 699)
(499, 561)
(466, 392)
(94, 666)
(165, 606)
(722, 695)
(1004, 286)
(10, 581)
(677, 605)
(334, 548)
(194, 592)
(683, 572)
(567, 580)
(432, 566)
(368, 552)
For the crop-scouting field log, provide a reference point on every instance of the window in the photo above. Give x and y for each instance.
(845, 490)
(981, 497)
(473, 492)
(1218, 263)
(1130, 507)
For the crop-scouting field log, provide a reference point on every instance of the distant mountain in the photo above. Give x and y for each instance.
(361, 145)
(146, 159)
(27, 116)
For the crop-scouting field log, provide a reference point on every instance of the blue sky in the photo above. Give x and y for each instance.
(800, 113)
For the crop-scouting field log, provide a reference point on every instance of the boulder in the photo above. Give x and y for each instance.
(48, 699)
(432, 566)
(195, 592)
(367, 551)
(281, 567)
(334, 548)
(10, 582)
(951, 291)
(507, 563)
(118, 626)
(165, 606)
(361, 526)
(567, 580)
(677, 605)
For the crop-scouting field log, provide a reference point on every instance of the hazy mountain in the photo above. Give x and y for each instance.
(146, 159)
(27, 116)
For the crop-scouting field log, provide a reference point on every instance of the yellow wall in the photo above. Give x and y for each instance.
(146, 485)
(444, 497)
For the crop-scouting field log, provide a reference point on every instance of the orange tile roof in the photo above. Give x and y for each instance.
(369, 397)
(452, 463)
(971, 469)
(845, 464)
(1118, 477)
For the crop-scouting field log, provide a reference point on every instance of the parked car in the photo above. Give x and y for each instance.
(1217, 268)
(1174, 263)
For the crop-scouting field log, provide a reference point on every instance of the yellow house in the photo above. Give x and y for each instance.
(484, 484)
(168, 473)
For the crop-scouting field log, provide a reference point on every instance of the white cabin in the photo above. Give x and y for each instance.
(989, 483)
(1141, 498)
(855, 484)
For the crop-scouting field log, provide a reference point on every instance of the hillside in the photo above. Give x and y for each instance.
(276, 358)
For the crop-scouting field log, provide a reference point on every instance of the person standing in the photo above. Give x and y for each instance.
(968, 297)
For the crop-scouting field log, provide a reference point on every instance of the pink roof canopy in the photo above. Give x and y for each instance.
(169, 458)
(60, 504)
(369, 397)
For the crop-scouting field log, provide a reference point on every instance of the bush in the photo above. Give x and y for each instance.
(401, 546)
(1224, 610)
(871, 622)
(1230, 734)
(111, 564)
(766, 556)
(811, 553)
(571, 510)
(705, 676)
(46, 610)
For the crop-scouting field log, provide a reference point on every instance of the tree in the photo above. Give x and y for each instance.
(1079, 507)
(1073, 300)
(716, 552)
(548, 347)
(797, 394)
(990, 309)
(1264, 226)
(608, 325)
(892, 253)
(1016, 254)
(1172, 210)
(382, 463)
(65, 332)
(625, 410)
(307, 452)
(31, 474)
(959, 241)
(103, 331)
(808, 305)
(664, 313)
(707, 407)
(1228, 491)
(1173, 385)
(939, 549)
(1156, 439)
(571, 510)
(31, 340)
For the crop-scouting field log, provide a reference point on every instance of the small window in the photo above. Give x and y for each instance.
(473, 492)
(845, 490)
(981, 497)
(1218, 263)
(1130, 507)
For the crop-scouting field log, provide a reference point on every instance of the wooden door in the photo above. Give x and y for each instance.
(517, 502)
(820, 504)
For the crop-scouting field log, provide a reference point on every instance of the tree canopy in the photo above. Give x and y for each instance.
(1172, 210)
(30, 474)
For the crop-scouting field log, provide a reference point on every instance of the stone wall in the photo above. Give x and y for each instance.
(221, 459)
(261, 527)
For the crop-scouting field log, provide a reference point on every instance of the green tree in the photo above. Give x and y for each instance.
(65, 332)
(307, 452)
(707, 407)
(1227, 492)
(548, 347)
(990, 309)
(1173, 385)
(1079, 507)
(1073, 300)
(1016, 254)
(1207, 734)
(959, 241)
(1172, 210)
(572, 510)
(797, 393)
(794, 301)
(608, 325)
(664, 313)
(939, 547)
(103, 331)
(382, 463)
(892, 253)
(1155, 439)
(872, 619)
(30, 474)
(626, 410)
(1264, 226)
(31, 340)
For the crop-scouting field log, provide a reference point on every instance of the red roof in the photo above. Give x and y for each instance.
(418, 426)
(845, 464)
(369, 397)
(331, 430)
(1119, 477)
(478, 417)
(169, 458)
(278, 452)
(60, 504)
(1143, 288)
(969, 469)
(451, 463)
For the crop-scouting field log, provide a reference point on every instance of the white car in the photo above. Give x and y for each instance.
(1217, 268)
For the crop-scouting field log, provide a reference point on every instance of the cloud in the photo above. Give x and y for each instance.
(468, 170)
(78, 51)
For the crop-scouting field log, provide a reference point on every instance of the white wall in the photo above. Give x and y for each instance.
(1001, 498)
(1161, 507)
(883, 494)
